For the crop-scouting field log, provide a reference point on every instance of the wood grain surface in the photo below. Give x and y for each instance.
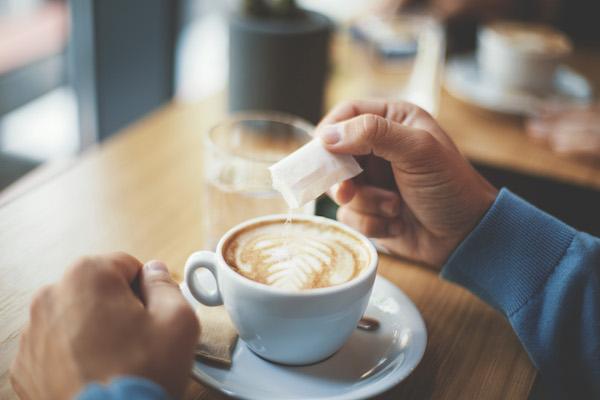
(140, 192)
(500, 141)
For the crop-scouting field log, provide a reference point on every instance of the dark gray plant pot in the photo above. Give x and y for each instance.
(279, 64)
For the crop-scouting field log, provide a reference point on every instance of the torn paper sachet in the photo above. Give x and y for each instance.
(310, 171)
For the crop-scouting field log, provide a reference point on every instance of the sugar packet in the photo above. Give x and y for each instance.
(310, 171)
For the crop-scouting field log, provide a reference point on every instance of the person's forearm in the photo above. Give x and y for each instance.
(124, 388)
(544, 276)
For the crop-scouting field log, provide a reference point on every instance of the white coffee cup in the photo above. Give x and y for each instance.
(520, 56)
(293, 328)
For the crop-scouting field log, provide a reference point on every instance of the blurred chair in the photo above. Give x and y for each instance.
(32, 63)
(122, 55)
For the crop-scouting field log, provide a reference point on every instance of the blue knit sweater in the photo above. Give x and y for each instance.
(540, 273)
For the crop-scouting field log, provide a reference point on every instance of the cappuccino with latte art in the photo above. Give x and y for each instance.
(296, 256)
(294, 292)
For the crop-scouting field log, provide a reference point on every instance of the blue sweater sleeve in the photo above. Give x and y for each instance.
(544, 276)
(124, 388)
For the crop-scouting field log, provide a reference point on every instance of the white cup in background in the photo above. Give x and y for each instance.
(522, 56)
(288, 327)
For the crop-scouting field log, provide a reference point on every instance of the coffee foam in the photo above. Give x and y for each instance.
(535, 38)
(297, 256)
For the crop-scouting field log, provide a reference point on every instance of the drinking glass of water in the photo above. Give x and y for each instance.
(237, 183)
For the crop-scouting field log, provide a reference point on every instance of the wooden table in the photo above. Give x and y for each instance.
(140, 193)
(500, 141)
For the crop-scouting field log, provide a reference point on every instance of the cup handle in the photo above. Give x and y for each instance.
(208, 260)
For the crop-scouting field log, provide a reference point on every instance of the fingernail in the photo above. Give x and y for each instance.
(155, 266)
(389, 208)
(395, 228)
(329, 134)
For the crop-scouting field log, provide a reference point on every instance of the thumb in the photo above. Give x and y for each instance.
(159, 292)
(369, 133)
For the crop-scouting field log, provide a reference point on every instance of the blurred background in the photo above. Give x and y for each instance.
(74, 73)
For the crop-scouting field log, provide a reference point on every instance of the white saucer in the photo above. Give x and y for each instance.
(464, 81)
(368, 364)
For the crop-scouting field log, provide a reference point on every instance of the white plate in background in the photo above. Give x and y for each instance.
(464, 81)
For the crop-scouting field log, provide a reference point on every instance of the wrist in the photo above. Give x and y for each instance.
(482, 201)
(510, 254)
(486, 196)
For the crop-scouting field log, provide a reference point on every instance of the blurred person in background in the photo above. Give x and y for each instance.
(574, 17)
(568, 130)
(571, 130)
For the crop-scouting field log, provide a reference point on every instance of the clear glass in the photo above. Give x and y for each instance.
(237, 183)
(403, 57)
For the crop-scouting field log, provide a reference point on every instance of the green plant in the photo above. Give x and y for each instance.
(270, 8)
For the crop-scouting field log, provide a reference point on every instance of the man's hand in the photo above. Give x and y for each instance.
(93, 326)
(571, 131)
(417, 192)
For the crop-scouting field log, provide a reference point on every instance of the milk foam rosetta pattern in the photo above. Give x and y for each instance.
(298, 256)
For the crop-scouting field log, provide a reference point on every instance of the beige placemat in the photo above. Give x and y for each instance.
(217, 335)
